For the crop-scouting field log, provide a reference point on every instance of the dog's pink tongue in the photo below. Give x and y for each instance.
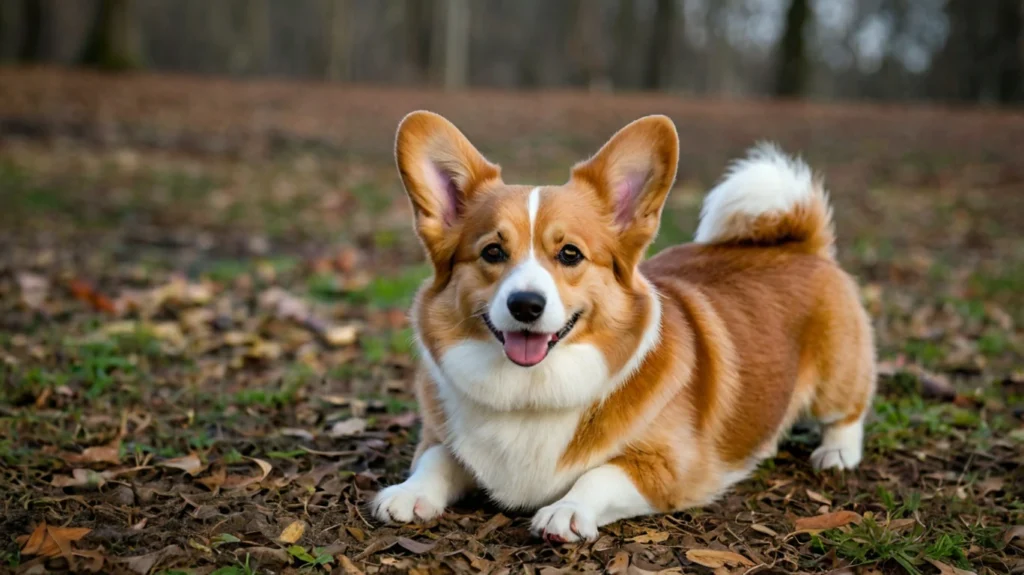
(526, 348)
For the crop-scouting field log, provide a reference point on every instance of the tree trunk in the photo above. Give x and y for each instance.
(419, 20)
(113, 43)
(625, 45)
(257, 36)
(586, 50)
(31, 49)
(339, 64)
(456, 43)
(659, 56)
(792, 68)
(1009, 50)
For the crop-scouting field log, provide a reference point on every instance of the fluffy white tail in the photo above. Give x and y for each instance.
(768, 198)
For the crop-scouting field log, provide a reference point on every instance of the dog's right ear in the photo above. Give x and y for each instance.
(441, 170)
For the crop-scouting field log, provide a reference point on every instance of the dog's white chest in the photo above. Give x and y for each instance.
(515, 456)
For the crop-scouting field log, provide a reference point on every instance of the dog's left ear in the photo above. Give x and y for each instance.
(632, 175)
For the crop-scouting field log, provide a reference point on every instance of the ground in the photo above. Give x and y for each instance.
(206, 360)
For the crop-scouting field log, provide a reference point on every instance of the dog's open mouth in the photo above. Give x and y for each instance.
(528, 348)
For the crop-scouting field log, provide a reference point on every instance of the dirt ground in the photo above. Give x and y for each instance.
(205, 358)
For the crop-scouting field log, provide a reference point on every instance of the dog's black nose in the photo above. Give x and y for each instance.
(526, 306)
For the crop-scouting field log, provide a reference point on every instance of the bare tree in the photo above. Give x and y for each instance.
(659, 55)
(586, 46)
(456, 42)
(418, 20)
(113, 42)
(625, 45)
(791, 77)
(31, 31)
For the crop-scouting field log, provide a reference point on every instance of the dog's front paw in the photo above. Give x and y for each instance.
(408, 501)
(565, 522)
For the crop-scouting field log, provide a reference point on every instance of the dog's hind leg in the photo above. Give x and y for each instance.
(842, 398)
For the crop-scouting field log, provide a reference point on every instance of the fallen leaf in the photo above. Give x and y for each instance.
(714, 559)
(51, 541)
(264, 554)
(619, 565)
(376, 546)
(356, 533)
(493, 524)
(991, 485)
(819, 498)
(80, 478)
(94, 557)
(340, 335)
(347, 566)
(348, 427)
(413, 546)
(900, 524)
(764, 529)
(190, 464)
(945, 569)
(1013, 533)
(34, 289)
(826, 521)
(651, 537)
(297, 433)
(215, 480)
(293, 532)
(100, 454)
(84, 292)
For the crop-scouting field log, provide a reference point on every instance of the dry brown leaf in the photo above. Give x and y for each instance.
(348, 427)
(900, 524)
(347, 566)
(99, 454)
(341, 335)
(215, 480)
(619, 565)
(190, 464)
(34, 289)
(80, 478)
(1013, 533)
(51, 541)
(356, 533)
(819, 498)
(945, 569)
(493, 524)
(714, 559)
(826, 521)
(292, 533)
(143, 564)
(417, 547)
(265, 468)
(651, 536)
(764, 529)
(94, 558)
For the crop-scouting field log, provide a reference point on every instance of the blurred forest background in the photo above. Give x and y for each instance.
(947, 50)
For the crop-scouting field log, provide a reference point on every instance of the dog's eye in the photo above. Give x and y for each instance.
(570, 255)
(493, 254)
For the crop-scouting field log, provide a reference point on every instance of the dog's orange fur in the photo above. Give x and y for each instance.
(756, 328)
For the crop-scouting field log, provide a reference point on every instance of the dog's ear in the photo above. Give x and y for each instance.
(632, 175)
(441, 170)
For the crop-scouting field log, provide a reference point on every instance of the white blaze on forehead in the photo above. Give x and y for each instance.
(532, 205)
(530, 275)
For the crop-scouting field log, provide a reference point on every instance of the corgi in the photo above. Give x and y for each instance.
(563, 373)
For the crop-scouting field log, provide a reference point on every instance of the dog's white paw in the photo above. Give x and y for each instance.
(565, 522)
(841, 448)
(409, 501)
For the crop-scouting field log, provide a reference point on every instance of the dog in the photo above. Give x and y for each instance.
(561, 372)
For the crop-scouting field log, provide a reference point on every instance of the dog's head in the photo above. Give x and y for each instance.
(534, 287)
